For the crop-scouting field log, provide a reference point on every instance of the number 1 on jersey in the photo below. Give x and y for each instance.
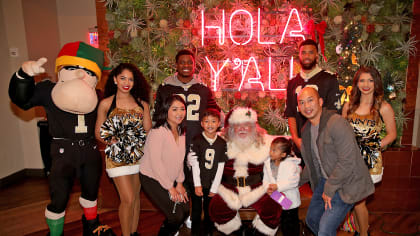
(81, 126)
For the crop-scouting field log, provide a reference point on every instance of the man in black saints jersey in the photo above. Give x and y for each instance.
(70, 105)
(310, 76)
(207, 158)
(197, 95)
(244, 183)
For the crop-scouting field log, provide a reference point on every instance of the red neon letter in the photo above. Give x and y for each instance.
(230, 26)
(220, 30)
(259, 29)
(293, 33)
(291, 68)
(255, 80)
(216, 73)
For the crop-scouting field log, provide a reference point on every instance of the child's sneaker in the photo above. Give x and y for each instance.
(188, 222)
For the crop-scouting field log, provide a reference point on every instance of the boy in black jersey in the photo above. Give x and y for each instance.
(207, 158)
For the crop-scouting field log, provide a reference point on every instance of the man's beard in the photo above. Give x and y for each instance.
(246, 142)
(309, 66)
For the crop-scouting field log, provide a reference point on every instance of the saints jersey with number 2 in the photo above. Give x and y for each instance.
(198, 98)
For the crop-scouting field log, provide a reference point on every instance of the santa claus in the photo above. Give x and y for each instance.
(245, 177)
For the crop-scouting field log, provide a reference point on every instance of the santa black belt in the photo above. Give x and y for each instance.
(242, 181)
(78, 142)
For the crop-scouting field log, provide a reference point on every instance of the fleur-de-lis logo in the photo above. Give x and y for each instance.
(248, 113)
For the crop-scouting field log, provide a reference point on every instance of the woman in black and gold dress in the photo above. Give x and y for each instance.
(122, 123)
(367, 111)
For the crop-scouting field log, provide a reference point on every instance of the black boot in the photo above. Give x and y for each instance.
(256, 232)
(242, 231)
(60, 235)
(168, 229)
(94, 228)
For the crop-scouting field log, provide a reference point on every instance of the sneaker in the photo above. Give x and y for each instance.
(188, 222)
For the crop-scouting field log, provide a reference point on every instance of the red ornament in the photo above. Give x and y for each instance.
(237, 95)
(364, 19)
(280, 96)
(187, 24)
(273, 22)
(154, 96)
(194, 31)
(111, 34)
(370, 28)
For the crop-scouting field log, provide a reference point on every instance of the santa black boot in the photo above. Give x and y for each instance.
(94, 228)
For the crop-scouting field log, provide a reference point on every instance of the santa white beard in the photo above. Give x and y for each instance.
(245, 142)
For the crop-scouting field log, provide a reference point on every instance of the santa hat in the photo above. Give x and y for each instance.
(242, 115)
(81, 54)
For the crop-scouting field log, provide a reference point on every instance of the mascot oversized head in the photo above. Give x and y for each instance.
(78, 67)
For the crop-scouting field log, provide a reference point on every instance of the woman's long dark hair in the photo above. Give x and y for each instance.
(140, 90)
(378, 94)
(162, 115)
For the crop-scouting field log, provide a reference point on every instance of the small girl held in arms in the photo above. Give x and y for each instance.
(286, 171)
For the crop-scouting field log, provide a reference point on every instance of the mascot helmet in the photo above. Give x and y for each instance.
(81, 54)
(242, 115)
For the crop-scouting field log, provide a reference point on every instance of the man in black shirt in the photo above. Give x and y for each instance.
(310, 76)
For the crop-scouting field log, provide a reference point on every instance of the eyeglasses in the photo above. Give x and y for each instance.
(77, 67)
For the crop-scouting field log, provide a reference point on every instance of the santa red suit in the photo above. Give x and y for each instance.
(243, 183)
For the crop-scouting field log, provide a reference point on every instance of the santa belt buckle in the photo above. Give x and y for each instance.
(241, 181)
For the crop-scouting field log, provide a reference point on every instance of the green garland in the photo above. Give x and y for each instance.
(148, 33)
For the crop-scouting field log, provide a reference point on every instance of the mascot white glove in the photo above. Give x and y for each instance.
(33, 68)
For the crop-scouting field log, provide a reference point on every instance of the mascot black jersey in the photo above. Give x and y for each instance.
(61, 124)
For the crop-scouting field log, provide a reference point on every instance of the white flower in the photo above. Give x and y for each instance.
(274, 117)
(375, 8)
(338, 20)
(180, 22)
(378, 28)
(114, 59)
(364, 36)
(408, 48)
(163, 23)
(395, 28)
(328, 3)
(370, 54)
(109, 3)
(133, 25)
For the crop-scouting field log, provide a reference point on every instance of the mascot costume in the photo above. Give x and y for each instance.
(70, 105)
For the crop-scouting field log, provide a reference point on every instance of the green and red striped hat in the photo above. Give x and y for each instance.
(81, 54)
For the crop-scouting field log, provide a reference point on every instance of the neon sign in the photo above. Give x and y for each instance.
(214, 32)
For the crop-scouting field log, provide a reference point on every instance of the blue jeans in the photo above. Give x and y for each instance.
(325, 222)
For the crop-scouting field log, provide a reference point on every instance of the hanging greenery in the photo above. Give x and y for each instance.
(149, 33)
